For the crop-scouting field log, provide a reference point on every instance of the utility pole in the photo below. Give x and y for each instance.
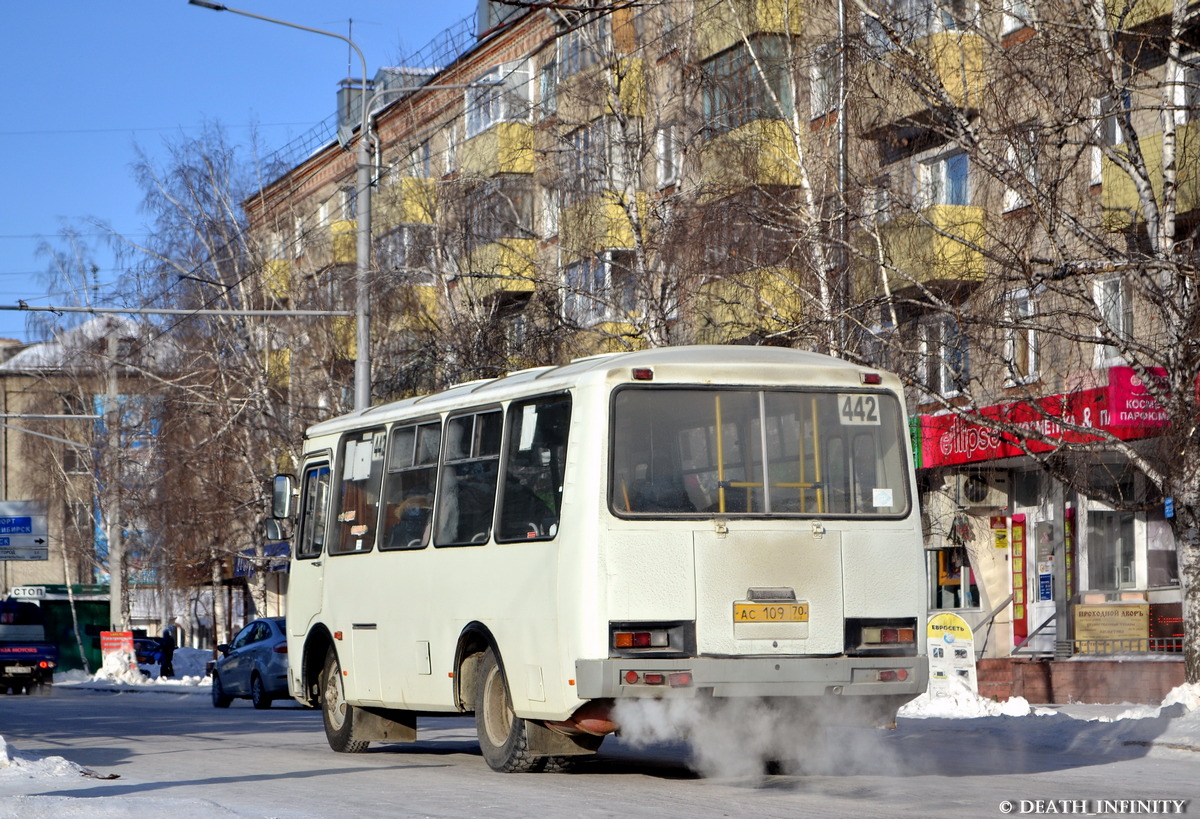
(118, 612)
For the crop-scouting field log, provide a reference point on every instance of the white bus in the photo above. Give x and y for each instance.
(700, 522)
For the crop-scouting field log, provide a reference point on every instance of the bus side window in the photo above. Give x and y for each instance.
(314, 511)
(358, 502)
(531, 501)
(468, 479)
(409, 486)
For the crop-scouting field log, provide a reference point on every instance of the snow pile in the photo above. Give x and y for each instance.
(17, 765)
(120, 666)
(189, 663)
(1186, 697)
(960, 702)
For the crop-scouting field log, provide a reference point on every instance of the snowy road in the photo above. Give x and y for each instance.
(175, 755)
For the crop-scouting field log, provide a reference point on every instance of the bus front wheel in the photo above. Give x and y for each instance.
(338, 715)
(503, 737)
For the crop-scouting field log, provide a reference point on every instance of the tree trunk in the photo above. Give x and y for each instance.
(1186, 525)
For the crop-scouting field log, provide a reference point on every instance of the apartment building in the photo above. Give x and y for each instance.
(985, 197)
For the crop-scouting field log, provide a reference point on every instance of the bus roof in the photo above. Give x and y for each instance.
(718, 364)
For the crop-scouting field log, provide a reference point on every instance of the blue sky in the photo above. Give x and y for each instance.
(85, 81)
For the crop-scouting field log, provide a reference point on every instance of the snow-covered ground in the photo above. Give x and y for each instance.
(33, 773)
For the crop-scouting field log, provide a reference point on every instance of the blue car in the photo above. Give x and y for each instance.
(253, 666)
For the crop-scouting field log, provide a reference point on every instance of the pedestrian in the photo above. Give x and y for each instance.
(167, 648)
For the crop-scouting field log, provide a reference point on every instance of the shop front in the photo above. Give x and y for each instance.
(1043, 571)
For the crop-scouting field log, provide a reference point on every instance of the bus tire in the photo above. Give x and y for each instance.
(503, 738)
(337, 714)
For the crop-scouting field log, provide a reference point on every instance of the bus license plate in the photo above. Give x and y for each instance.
(17, 669)
(770, 612)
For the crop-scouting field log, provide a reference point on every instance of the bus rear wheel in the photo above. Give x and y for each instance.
(503, 737)
(338, 715)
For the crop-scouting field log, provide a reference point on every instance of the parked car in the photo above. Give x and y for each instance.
(253, 666)
(147, 650)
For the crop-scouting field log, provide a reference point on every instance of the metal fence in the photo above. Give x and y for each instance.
(1151, 645)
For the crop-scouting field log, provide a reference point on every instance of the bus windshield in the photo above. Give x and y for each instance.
(747, 452)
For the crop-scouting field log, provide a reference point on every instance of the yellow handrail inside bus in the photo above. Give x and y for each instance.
(720, 456)
(817, 457)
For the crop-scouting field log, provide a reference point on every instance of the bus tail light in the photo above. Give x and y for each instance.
(673, 639)
(673, 679)
(893, 674)
(641, 639)
(872, 636)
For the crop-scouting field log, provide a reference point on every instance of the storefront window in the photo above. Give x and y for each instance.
(1110, 550)
(951, 579)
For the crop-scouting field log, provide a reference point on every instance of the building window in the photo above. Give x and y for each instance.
(1110, 549)
(595, 161)
(945, 180)
(548, 89)
(1021, 155)
(877, 202)
(550, 207)
(823, 82)
(584, 46)
(502, 95)
(1020, 342)
(944, 361)
(348, 203)
(738, 89)
(1187, 91)
(1018, 14)
(911, 20)
(952, 580)
(600, 288)
(1116, 317)
(666, 155)
(76, 460)
(420, 161)
(406, 249)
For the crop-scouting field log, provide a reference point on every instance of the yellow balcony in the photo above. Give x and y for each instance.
(506, 147)
(277, 277)
(505, 266)
(609, 337)
(762, 152)
(956, 62)
(724, 24)
(599, 221)
(345, 337)
(1130, 14)
(279, 368)
(941, 244)
(598, 92)
(408, 201)
(344, 238)
(766, 301)
(1121, 203)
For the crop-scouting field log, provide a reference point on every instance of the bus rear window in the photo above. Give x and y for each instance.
(694, 452)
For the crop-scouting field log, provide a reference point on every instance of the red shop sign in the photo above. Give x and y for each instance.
(1123, 409)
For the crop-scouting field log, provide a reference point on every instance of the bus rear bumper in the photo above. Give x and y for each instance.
(738, 677)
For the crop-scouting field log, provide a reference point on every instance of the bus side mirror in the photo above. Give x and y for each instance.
(281, 497)
(277, 529)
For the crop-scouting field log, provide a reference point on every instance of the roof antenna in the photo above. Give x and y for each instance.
(349, 53)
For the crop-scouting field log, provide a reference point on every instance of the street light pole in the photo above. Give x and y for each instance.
(362, 302)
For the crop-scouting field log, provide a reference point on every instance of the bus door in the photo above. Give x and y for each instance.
(306, 578)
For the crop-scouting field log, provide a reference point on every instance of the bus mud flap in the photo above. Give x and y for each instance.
(386, 724)
(545, 741)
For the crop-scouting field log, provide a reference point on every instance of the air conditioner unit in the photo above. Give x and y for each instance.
(982, 489)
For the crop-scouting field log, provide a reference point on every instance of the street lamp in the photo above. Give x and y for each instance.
(362, 361)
